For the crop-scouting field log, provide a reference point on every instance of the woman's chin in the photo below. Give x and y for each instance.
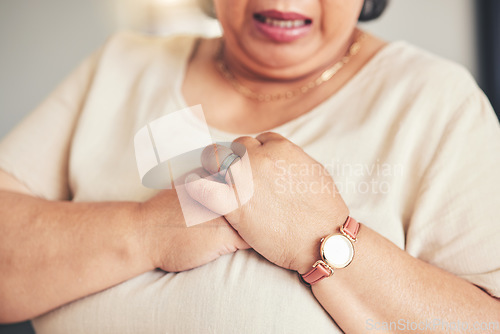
(279, 57)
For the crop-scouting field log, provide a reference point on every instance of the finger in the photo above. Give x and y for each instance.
(240, 149)
(238, 241)
(269, 136)
(213, 156)
(217, 159)
(242, 244)
(232, 242)
(215, 196)
(248, 142)
(240, 177)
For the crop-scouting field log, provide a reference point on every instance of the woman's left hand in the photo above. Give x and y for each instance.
(295, 202)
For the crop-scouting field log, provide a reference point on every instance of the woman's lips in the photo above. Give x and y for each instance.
(282, 26)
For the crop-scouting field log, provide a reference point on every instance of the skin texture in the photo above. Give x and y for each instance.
(383, 283)
(76, 249)
(132, 238)
(280, 235)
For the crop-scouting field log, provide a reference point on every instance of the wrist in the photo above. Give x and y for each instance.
(156, 219)
(310, 258)
(143, 231)
(307, 259)
(311, 253)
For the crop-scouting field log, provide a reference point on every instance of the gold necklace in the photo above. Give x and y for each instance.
(289, 94)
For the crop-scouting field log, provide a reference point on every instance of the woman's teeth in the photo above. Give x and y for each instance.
(285, 23)
(282, 23)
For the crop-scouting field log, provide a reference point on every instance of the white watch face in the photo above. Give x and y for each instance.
(337, 251)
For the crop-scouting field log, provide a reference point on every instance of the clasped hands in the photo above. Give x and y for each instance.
(283, 221)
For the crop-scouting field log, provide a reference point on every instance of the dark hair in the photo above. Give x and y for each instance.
(372, 9)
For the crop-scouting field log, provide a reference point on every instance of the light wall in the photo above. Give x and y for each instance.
(42, 41)
(445, 27)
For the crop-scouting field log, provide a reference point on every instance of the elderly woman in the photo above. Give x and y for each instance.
(410, 141)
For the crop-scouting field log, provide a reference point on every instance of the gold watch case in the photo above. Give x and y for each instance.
(337, 250)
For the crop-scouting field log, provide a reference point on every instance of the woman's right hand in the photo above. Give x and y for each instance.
(172, 246)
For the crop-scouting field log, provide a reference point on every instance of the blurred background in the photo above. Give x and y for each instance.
(42, 41)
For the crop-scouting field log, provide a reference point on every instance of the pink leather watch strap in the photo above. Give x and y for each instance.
(351, 228)
(317, 273)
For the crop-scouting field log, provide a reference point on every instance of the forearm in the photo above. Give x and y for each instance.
(386, 284)
(52, 253)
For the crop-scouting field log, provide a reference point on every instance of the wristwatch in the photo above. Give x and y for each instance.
(337, 251)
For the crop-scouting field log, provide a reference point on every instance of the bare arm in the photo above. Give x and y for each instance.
(55, 252)
(384, 284)
(52, 253)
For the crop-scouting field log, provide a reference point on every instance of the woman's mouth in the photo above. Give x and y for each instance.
(282, 26)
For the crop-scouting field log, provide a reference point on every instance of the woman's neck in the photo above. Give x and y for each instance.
(271, 79)
(227, 109)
